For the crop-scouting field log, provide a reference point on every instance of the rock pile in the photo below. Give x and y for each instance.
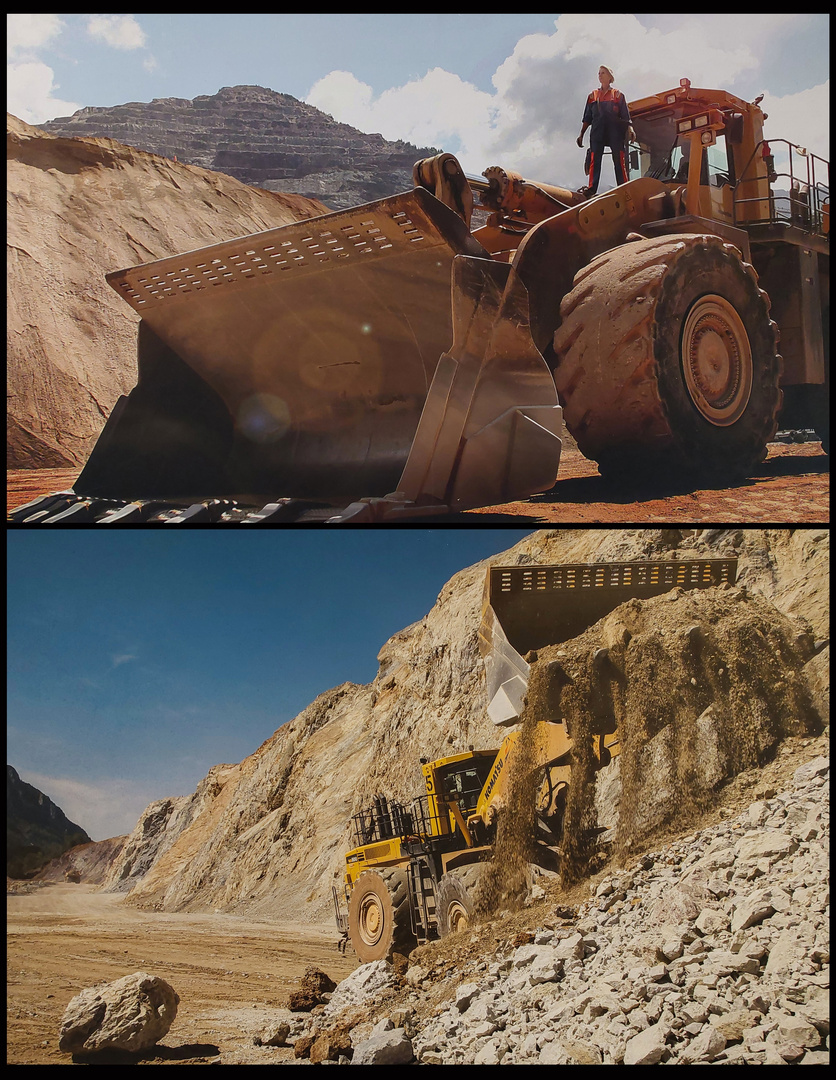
(714, 949)
(260, 137)
(308, 994)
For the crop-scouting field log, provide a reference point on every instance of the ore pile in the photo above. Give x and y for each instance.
(713, 949)
(700, 685)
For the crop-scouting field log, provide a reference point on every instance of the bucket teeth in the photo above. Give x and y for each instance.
(131, 513)
(80, 511)
(40, 508)
(69, 508)
(211, 510)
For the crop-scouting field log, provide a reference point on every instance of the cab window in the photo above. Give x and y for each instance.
(464, 784)
(662, 154)
(719, 163)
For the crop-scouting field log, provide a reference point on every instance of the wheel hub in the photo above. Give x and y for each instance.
(457, 918)
(370, 920)
(717, 360)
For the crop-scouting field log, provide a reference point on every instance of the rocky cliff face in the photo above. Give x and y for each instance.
(78, 208)
(36, 829)
(84, 862)
(260, 137)
(267, 836)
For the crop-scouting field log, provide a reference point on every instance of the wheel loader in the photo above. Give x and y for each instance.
(394, 361)
(411, 876)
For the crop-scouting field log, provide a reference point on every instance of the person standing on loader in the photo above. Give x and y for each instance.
(607, 114)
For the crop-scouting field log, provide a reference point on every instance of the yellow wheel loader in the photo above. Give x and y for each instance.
(393, 361)
(411, 875)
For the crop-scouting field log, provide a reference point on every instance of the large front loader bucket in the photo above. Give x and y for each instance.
(345, 357)
(529, 607)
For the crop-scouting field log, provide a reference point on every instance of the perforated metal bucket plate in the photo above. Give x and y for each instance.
(320, 337)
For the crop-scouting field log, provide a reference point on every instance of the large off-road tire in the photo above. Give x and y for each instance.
(667, 360)
(378, 915)
(454, 902)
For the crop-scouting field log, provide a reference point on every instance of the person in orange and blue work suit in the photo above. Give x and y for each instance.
(607, 114)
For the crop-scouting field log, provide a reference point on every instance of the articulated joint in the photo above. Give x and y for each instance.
(506, 189)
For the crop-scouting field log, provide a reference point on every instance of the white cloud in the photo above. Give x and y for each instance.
(103, 809)
(802, 118)
(30, 89)
(531, 120)
(419, 111)
(123, 658)
(30, 83)
(343, 96)
(25, 33)
(118, 31)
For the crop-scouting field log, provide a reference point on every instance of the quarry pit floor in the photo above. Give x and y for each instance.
(791, 487)
(233, 973)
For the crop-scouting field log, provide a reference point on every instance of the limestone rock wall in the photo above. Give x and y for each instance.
(267, 836)
(89, 863)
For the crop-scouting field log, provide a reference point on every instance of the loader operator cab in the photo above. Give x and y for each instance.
(737, 165)
(463, 781)
(679, 132)
(664, 153)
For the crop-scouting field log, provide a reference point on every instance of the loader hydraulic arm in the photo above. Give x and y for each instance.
(513, 203)
(551, 751)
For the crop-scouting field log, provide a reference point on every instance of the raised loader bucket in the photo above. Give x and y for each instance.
(529, 607)
(319, 360)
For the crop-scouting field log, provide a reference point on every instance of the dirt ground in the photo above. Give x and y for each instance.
(231, 973)
(792, 486)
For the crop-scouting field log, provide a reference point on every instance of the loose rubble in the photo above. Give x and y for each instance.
(714, 949)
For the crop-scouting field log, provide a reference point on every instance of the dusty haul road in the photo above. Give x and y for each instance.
(231, 973)
(791, 487)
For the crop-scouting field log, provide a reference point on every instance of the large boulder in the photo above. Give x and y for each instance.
(308, 994)
(387, 1045)
(358, 988)
(132, 1013)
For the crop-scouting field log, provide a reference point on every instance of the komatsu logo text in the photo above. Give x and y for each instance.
(497, 770)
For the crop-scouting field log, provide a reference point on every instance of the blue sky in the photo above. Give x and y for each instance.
(502, 89)
(136, 661)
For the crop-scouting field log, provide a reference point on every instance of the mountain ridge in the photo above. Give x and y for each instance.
(37, 830)
(262, 138)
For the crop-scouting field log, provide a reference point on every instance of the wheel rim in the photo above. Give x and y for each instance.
(457, 918)
(370, 920)
(717, 360)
